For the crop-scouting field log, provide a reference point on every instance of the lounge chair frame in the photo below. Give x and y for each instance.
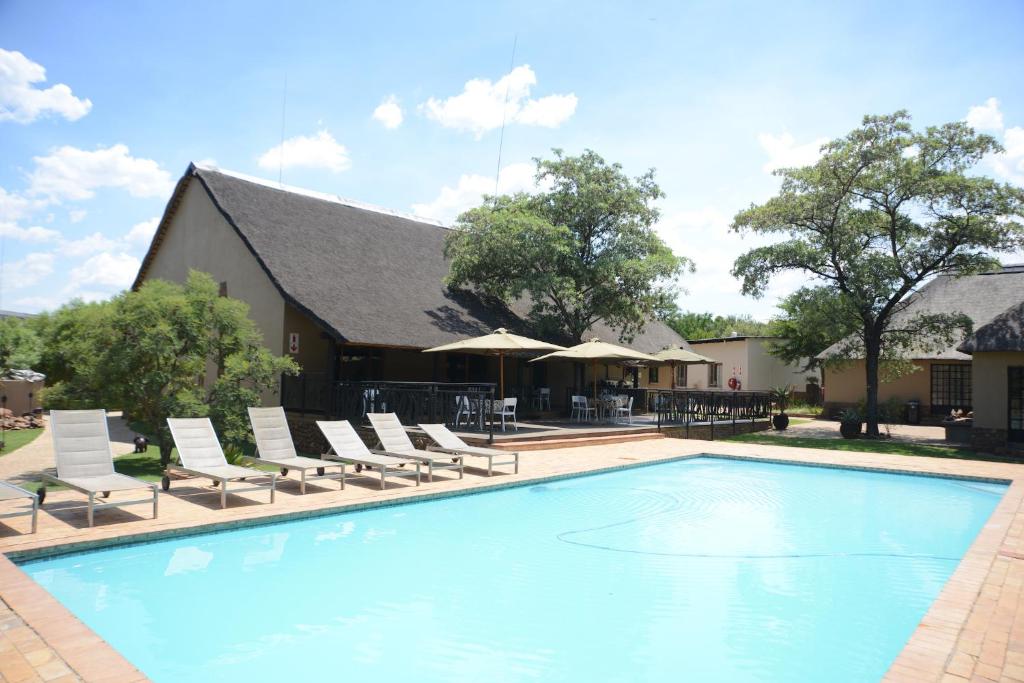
(16, 493)
(379, 421)
(267, 454)
(219, 479)
(466, 450)
(385, 463)
(61, 420)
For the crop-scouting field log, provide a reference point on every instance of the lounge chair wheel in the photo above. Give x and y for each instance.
(215, 483)
(319, 471)
(105, 494)
(41, 492)
(165, 483)
(359, 468)
(455, 460)
(284, 471)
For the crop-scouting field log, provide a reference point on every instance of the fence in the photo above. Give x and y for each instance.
(686, 407)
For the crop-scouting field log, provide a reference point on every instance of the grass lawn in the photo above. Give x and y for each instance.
(15, 439)
(861, 445)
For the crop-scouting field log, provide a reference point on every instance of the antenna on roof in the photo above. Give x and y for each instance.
(280, 153)
(504, 111)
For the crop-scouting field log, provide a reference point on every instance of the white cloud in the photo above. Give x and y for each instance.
(72, 173)
(783, 152)
(90, 244)
(31, 234)
(107, 269)
(14, 206)
(481, 106)
(985, 116)
(313, 151)
(389, 113)
(470, 189)
(28, 271)
(142, 233)
(77, 215)
(23, 103)
(1010, 164)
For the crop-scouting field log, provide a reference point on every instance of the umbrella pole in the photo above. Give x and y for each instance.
(673, 366)
(501, 372)
(593, 373)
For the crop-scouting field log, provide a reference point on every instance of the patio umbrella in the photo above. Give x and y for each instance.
(674, 355)
(500, 342)
(596, 351)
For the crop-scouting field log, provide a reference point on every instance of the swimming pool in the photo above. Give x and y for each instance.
(700, 569)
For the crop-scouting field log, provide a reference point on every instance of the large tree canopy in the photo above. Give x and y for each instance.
(584, 250)
(885, 209)
(148, 351)
(812, 319)
(20, 347)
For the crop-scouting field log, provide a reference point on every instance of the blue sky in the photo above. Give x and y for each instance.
(712, 95)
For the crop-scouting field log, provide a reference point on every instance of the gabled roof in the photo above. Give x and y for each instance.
(1005, 332)
(366, 275)
(980, 297)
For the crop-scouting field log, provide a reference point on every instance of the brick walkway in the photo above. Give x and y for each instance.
(973, 632)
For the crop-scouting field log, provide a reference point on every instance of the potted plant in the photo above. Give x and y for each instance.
(781, 397)
(850, 423)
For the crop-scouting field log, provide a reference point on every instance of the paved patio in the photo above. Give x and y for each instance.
(828, 429)
(974, 631)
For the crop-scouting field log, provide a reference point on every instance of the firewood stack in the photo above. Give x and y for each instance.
(9, 422)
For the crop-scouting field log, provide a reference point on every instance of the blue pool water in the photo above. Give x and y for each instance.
(697, 570)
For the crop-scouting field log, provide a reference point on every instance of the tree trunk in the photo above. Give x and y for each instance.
(165, 452)
(872, 351)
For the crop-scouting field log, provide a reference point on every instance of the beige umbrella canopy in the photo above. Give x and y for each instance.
(596, 351)
(501, 342)
(674, 355)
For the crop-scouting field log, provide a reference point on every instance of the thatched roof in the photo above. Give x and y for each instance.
(980, 297)
(1004, 333)
(366, 275)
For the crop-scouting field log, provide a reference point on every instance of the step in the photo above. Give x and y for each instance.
(574, 442)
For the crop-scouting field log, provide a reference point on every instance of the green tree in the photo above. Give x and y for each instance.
(813, 319)
(885, 209)
(690, 325)
(584, 250)
(149, 351)
(20, 347)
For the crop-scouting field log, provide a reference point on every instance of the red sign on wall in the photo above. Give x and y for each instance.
(293, 342)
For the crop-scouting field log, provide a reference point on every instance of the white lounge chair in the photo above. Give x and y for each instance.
(450, 443)
(274, 446)
(85, 463)
(347, 447)
(395, 441)
(201, 456)
(12, 492)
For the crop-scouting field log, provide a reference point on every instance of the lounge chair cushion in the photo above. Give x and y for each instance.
(106, 482)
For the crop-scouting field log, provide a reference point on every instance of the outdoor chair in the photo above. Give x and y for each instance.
(274, 446)
(85, 463)
(201, 456)
(464, 408)
(450, 443)
(542, 399)
(506, 408)
(396, 442)
(345, 446)
(625, 409)
(581, 409)
(12, 492)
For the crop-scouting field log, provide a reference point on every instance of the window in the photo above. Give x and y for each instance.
(715, 375)
(652, 374)
(223, 288)
(681, 375)
(951, 388)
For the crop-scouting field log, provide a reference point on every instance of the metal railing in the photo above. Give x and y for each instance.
(466, 406)
(686, 407)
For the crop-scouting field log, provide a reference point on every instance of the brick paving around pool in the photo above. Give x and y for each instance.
(974, 631)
